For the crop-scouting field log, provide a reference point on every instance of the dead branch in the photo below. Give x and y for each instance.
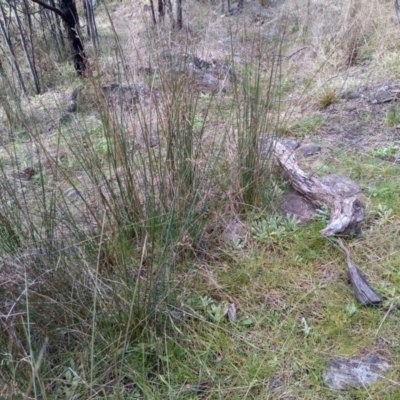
(364, 293)
(346, 212)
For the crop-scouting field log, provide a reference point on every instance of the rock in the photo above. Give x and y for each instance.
(343, 185)
(232, 314)
(396, 158)
(73, 194)
(125, 96)
(309, 149)
(27, 174)
(265, 143)
(293, 144)
(351, 105)
(207, 77)
(296, 204)
(146, 140)
(350, 95)
(235, 230)
(353, 372)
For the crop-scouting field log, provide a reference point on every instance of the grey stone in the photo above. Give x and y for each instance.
(351, 105)
(350, 95)
(72, 194)
(354, 372)
(342, 185)
(235, 229)
(265, 142)
(396, 158)
(147, 140)
(293, 144)
(309, 149)
(297, 205)
(126, 96)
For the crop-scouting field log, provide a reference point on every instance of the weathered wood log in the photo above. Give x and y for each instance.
(364, 293)
(346, 212)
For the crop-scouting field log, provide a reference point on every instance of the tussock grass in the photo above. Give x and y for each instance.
(116, 269)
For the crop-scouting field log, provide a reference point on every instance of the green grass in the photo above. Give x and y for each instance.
(304, 126)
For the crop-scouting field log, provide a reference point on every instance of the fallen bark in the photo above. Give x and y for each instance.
(364, 293)
(346, 212)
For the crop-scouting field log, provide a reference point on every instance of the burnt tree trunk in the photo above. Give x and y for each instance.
(69, 15)
(179, 17)
(153, 14)
(71, 25)
(161, 8)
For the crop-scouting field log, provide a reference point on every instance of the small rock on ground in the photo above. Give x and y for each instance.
(309, 149)
(235, 230)
(353, 372)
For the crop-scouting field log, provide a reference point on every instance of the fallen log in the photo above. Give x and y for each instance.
(346, 213)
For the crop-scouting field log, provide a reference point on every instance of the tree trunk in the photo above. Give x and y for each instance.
(6, 37)
(71, 25)
(67, 12)
(161, 9)
(179, 17)
(91, 23)
(28, 57)
(153, 14)
(60, 35)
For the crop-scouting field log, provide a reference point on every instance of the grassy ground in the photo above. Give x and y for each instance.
(117, 272)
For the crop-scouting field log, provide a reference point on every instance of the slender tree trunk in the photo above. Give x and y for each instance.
(91, 23)
(240, 4)
(6, 37)
(161, 9)
(179, 17)
(170, 11)
(27, 12)
(28, 57)
(153, 14)
(58, 25)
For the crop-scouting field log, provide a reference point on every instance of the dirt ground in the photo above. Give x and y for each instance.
(365, 119)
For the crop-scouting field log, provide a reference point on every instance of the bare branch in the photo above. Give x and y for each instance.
(51, 8)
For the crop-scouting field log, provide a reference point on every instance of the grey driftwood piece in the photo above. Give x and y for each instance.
(346, 212)
(364, 293)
